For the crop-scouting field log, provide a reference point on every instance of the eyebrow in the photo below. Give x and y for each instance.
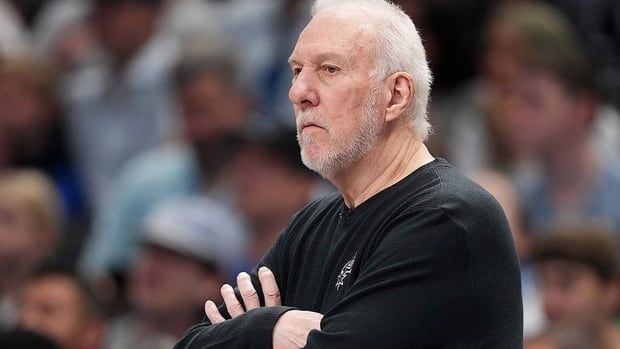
(324, 56)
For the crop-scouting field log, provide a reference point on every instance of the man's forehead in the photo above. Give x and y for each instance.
(333, 36)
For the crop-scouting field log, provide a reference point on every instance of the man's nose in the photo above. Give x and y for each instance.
(303, 91)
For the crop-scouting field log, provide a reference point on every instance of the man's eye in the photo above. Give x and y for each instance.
(330, 69)
(296, 71)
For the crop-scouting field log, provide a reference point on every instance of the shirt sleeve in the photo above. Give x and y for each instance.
(418, 273)
(253, 329)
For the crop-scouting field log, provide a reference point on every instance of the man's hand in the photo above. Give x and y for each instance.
(248, 294)
(292, 329)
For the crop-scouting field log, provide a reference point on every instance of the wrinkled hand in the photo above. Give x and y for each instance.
(248, 294)
(292, 329)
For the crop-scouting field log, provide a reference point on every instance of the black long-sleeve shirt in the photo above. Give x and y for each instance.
(426, 263)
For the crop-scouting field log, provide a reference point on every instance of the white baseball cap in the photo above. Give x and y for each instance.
(197, 227)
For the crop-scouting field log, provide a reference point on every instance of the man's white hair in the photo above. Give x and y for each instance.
(398, 49)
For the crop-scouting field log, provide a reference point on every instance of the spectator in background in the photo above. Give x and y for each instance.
(550, 118)
(246, 25)
(189, 248)
(598, 22)
(31, 128)
(271, 184)
(579, 269)
(30, 226)
(55, 302)
(249, 27)
(20, 30)
(213, 109)
(120, 102)
(474, 122)
(471, 120)
(63, 33)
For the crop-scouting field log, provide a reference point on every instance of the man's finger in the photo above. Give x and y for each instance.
(232, 304)
(213, 313)
(270, 287)
(248, 293)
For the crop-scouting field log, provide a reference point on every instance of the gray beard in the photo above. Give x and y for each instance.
(344, 154)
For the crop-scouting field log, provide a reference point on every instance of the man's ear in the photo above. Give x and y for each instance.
(401, 93)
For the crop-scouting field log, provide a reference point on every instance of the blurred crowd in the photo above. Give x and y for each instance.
(148, 155)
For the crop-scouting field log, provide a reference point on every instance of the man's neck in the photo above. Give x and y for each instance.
(389, 161)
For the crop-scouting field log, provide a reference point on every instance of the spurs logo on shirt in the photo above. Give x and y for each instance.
(346, 270)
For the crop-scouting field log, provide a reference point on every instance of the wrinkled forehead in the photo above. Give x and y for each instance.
(345, 32)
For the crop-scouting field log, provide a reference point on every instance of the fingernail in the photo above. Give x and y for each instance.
(263, 270)
(210, 303)
(226, 286)
(244, 275)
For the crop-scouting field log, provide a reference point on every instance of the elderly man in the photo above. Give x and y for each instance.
(409, 253)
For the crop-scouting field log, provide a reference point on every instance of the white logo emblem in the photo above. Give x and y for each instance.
(346, 270)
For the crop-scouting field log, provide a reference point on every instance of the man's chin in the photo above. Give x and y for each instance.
(310, 160)
(324, 167)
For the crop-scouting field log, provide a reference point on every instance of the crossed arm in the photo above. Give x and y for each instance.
(291, 329)
(403, 295)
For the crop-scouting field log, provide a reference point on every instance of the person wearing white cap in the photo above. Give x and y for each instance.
(189, 247)
(199, 228)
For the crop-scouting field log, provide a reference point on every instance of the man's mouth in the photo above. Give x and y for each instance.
(307, 125)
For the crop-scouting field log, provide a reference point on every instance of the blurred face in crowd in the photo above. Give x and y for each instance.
(210, 110)
(123, 26)
(334, 93)
(54, 306)
(22, 241)
(575, 294)
(500, 60)
(544, 116)
(165, 283)
(27, 114)
(267, 186)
